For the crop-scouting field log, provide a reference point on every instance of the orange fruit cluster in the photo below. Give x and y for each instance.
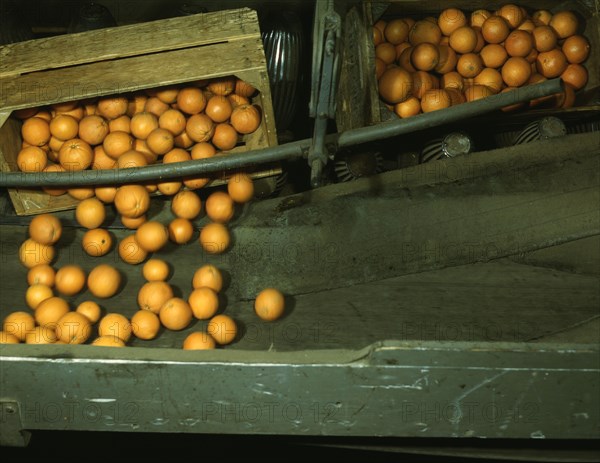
(433, 63)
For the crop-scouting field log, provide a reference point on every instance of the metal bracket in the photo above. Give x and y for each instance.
(326, 38)
(12, 433)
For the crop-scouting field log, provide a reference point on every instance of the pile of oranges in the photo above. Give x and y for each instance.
(53, 321)
(166, 125)
(434, 63)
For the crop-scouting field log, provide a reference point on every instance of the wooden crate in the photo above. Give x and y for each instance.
(358, 102)
(128, 59)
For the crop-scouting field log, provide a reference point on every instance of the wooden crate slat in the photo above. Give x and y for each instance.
(130, 74)
(132, 40)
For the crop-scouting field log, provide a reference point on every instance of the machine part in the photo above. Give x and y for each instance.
(547, 127)
(283, 42)
(453, 144)
(92, 16)
(12, 433)
(292, 150)
(325, 72)
(356, 165)
(504, 139)
(584, 127)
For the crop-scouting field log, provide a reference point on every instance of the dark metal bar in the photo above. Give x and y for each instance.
(161, 172)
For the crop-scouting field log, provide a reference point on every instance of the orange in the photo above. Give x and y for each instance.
(575, 75)
(8, 338)
(191, 100)
(90, 213)
(180, 230)
(90, 309)
(456, 95)
(41, 274)
(131, 252)
(200, 128)
(576, 49)
(404, 61)
(422, 82)
(395, 85)
(477, 92)
(73, 328)
(32, 159)
(469, 65)
(244, 88)
(18, 324)
(396, 31)
(199, 340)
(121, 123)
(516, 71)
(106, 194)
(408, 108)
(269, 305)
(70, 280)
(435, 99)
(519, 43)
(155, 270)
(104, 281)
(204, 302)
(50, 310)
(245, 118)
(81, 193)
(132, 158)
(541, 17)
(36, 131)
(493, 55)
(41, 335)
(152, 236)
(115, 324)
(564, 23)
(386, 52)
(425, 31)
(452, 80)
(527, 25)
(219, 207)
(93, 129)
(112, 107)
(222, 86)
(160, 141)
(75, 154)
(32, 253)
(132, 200)
(153, 295)
(513, 14)
(447, 61)
(451, 19)
(225, 137)
(64, 127)
(425, 56)
(478, 17)
(202, 150)
(544, 38)
(495, 29)
(108, 341)
(142, 124)
(101, 160)
(117, 143)
(174, 121)
(175, 314)
(145, 324)
(155, 106)
(463, 40)
(222, 328)
(97, 242)
(214, 238)
(240, 188)
(167, 94)
(45, 229)
(37, 293)
(186, 204)
(551, 63)
(208, 276)
(133, 223)
(490, 78)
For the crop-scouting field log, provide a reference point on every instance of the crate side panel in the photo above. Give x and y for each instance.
(119, 42)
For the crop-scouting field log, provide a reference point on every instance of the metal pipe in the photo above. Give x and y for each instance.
(198, 168)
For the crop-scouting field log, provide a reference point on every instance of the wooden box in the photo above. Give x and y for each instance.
(358, 102)
(128, 59)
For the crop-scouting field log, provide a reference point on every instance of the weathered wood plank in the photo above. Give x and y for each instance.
(131, 40)
(130, 74)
